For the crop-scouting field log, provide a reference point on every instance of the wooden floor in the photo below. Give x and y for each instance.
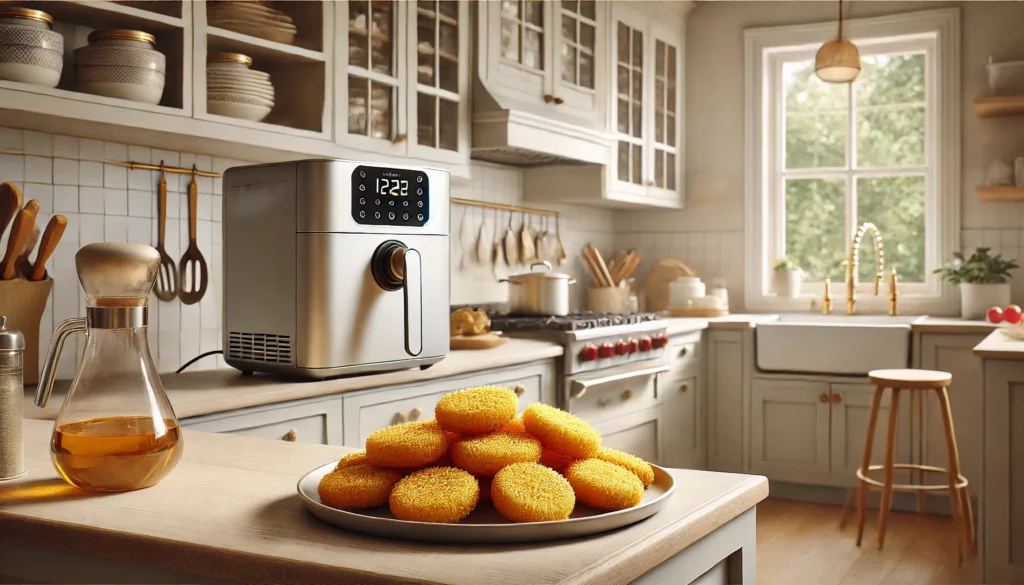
(799, 542)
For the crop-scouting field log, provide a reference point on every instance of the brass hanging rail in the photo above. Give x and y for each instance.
(131, 165)
(504, 207)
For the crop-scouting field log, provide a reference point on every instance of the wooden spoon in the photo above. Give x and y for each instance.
(51, 237)
(192, 260)
(167, 278)
(20, 232)
(10, 204)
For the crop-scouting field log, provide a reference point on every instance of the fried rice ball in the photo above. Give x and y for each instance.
(514, 426)
(352, 459)
(486, 455)
(476, 410)
(408, 445)
(435, 494)
(358, 486)
(638, 466)
(604, 485)
(530, 492)
(554, 460)
(560, 431)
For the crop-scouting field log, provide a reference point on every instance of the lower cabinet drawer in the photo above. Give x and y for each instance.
(683, 354)
(593, 399)
(369, 412)
(317, 422)
(639, 433)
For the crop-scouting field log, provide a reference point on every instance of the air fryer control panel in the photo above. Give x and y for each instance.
(387, 196)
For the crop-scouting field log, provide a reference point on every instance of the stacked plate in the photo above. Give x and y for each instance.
(252, 18)
(29, 51)
(232, 89)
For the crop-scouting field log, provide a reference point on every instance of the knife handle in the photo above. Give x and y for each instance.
(51, 237)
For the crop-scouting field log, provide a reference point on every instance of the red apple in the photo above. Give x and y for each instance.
(995, 315)
(1012, 314)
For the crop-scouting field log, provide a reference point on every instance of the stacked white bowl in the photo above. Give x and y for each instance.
(232, 89)
(121, 64)
(29, 51)
(252, 18)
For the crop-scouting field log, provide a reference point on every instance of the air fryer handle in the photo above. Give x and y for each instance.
(413, 290)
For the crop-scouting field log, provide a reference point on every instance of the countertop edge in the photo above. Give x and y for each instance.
(999, 347)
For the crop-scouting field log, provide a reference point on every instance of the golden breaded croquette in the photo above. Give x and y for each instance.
(560, 431)
(435, 494)
(514, 426)
(604, 485)
(475, 411)
(352, 459)
(530, 492)
(408, 445)
(485, 455)
(638, 466)
(357, 486)
(554, 460)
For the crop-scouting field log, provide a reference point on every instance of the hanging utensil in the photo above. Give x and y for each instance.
(559, 251)
(20, 233)
(467, 233)
(484, 247)
(527, 252)
(167, 278)
(542, 244)
(10, 204)
(499, 266)
(51, 237)
(192, 261)
(511, 245)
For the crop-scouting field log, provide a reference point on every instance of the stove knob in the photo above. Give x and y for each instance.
(634, 345)
(659, 341)
(646, 343)
(607, 350)
(589, 353)
(622, 348)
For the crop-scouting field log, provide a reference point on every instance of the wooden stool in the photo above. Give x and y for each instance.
(956, 484)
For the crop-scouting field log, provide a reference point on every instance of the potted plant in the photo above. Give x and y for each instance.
(787, 278)
(983, 279)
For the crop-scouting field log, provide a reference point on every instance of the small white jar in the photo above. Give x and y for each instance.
(684, 289)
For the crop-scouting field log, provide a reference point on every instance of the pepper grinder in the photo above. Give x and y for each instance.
(12, 402)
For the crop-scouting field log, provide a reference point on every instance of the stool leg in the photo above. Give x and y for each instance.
(918, 403)
(865, 462)
(953, 477)
(965, 501)
(890, 456)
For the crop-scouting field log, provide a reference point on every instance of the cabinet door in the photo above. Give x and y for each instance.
(371, 80)
(629, 107)
(639, 433)
(1003, 503)
(790, 430)
(518, 34)
(663, 148)
(851, 405)
(683, 443)
(725, 401)
(438, 86)
(575, 64)
(308, 422)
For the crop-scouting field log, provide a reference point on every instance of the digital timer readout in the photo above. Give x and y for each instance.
(393, 187)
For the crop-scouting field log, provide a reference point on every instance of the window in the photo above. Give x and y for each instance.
(824, 158)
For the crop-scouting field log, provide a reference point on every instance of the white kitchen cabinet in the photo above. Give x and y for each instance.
(638, 433)
(850, 407)
(790, 430)
(368, 411)
(683, 444)
(310, 421)
(728, 356)
(403, 78)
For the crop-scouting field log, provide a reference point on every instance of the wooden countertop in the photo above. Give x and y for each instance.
(230, 511)
(680, 325)
(998, 346)
(952, 325)
(211, 391)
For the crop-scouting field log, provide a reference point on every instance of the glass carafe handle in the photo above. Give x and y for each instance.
(49, 373)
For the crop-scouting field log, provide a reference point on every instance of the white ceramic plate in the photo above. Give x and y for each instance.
(1013, 331)
(485, 524)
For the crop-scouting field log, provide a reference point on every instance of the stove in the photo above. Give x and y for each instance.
(586, 320)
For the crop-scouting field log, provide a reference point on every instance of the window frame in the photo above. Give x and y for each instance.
(934, 31)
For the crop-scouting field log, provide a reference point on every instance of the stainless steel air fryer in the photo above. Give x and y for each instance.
(335, 267)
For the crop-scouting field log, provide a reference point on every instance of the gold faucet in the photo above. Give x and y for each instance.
(852, 263)
(894, 294)
(826, 298)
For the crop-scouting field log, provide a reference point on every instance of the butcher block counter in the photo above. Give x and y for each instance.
(229, 512)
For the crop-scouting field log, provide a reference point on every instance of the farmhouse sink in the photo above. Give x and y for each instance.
(834, 344)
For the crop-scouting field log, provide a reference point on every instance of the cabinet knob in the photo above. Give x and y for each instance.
(399, 418)
(548, 98)
(650, 182)
(519, 390)
(399, 138)
(559, 101)
(684, 351)
(603, 401)
(415, 413)
(684, 387)
(291, 436)
(837, 398)
(627, 394)
(823, 398)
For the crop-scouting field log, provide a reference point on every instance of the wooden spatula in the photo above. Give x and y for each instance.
(192, 290)
(51, 237)
(10, 204)
(20, 232)
(167, 277)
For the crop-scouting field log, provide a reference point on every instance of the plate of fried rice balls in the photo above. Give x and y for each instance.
(477, 472)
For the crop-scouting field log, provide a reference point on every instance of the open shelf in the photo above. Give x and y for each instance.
(1006, 193)
(222, 40)
(100, 14)
(995, 106)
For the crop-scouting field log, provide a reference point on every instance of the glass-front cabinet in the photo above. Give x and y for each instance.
(416, 106)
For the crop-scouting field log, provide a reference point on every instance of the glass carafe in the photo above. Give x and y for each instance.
(116, 430)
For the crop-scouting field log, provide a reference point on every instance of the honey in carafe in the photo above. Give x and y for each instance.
(115, 453)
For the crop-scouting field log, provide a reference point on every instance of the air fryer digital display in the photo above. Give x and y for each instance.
(384, 196)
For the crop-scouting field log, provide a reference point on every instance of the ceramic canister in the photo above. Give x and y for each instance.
(12, 400)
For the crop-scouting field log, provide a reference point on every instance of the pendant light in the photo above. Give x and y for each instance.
(838, 61)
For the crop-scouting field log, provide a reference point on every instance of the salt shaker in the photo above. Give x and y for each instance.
(12, 402)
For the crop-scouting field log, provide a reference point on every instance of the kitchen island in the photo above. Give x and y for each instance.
(229, 512)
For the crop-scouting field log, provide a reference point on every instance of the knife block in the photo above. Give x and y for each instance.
(23, 303)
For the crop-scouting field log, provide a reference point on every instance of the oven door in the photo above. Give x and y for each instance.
(615, 392)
